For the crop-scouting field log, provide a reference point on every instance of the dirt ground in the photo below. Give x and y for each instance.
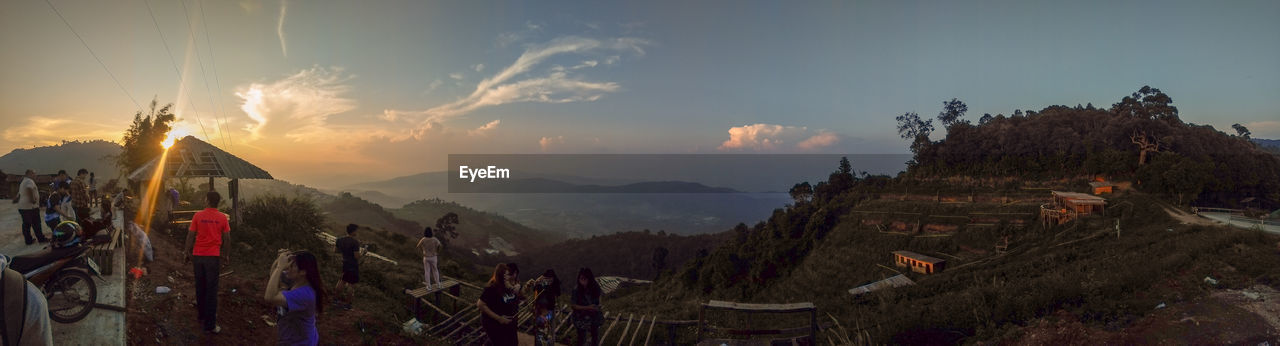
(170, 318)
(1227, 317)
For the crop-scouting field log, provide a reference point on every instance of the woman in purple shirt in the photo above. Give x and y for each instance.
(298, 305)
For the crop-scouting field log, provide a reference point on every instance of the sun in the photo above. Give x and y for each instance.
(172, 138)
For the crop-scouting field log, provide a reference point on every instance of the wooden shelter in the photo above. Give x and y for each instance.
(918, 263)
(192, 158)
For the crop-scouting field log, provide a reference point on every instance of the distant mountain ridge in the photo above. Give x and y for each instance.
(95, 156)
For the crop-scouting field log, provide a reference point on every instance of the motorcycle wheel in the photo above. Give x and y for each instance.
(71, 295)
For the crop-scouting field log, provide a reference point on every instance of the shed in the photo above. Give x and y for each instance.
(919, 263)
(1080, 203)
(193, 158)
(1101, 187)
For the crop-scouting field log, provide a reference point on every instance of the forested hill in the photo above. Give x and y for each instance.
(1197, 164)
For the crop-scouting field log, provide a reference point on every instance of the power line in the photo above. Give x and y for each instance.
(175, 68)
(217, 81)
(191, 32)
(95, 56)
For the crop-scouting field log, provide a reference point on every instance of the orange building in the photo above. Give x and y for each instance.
(1101, 187)
(918, 263)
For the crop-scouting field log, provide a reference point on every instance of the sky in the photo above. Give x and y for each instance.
(332, 93)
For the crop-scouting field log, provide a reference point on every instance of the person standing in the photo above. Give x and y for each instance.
(80, 200)
(546, 289)
(498, 305)
(430, 248)
(298, 304)
(29, 209)
(209, 230)
(351, 252)
(586, 308)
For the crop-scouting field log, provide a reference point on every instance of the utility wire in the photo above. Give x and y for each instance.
(217, 81)
(191, 32)
(95, 56)
(175, 68)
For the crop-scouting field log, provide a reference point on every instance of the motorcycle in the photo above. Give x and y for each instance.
(63, 274)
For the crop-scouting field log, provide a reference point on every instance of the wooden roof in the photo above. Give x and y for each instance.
(793, 307)
(918, 257)
(894, 281)
(191, 157)
(1080, 198)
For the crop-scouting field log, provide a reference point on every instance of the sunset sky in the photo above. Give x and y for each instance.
(327, 92)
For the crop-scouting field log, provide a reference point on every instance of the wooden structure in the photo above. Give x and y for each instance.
(1101, 187)
(808, 333)
(12, 181)
(894, 281)
(608, 284)
(192, 158)
(1068, 206)
(919, 263)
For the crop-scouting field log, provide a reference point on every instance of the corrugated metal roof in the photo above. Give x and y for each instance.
(1080, 198)
(191, 157)
(1101, 184)
(894, 281)
(918, 257)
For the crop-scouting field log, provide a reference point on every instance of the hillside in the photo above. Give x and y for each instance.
(96, 156)
(639, 255)
(1194, 164)
(478, 232)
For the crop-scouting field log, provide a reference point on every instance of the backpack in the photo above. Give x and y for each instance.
(13, 294)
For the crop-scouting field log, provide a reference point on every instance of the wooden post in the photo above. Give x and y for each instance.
(233, 191)
(702, 314)
(813, 326)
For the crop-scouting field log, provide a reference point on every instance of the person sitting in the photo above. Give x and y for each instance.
(298, 304)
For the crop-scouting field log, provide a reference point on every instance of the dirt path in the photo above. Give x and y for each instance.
(1185, 217)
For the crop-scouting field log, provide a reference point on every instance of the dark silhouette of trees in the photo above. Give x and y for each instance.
(446, 225)
(912, 128)
(142, 139)
(1147, 103)
(802, 192)
(1241, 130)
(951, 113)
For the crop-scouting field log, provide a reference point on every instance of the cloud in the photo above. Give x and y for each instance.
(760, 136)
(250, 6)
(506, 87)
(547, 142)
(478, 67)
(284, 7)
(585, 64)
(771, 137)
(484, 130)
(433, 86)
(298, 106)
(821, 140)
(42, 130)
(456, 75)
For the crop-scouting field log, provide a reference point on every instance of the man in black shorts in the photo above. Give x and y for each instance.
(351, 252)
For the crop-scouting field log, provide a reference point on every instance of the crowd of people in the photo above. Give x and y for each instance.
(295, 287)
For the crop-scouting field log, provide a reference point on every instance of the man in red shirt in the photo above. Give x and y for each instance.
(209, 230)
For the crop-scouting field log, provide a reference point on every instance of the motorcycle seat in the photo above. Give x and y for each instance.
(26, 263)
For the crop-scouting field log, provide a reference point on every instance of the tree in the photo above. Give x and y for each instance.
(802, 192)
(660, 259)
(951, 112)
(910, 127)
(1147, 103)
(142, 140)
(1241, 130)
(845, 166)
(1144, 146)
(986, 117)
(446, 225)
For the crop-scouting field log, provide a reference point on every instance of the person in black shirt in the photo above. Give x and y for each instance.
(586, 308)
(498, 305)
(351, 252)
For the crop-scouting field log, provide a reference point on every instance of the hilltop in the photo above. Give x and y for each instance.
(97, 156)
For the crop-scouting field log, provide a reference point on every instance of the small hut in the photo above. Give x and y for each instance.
(919, 263)
(1079, 203)
(1101, 187)
(192, 158)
